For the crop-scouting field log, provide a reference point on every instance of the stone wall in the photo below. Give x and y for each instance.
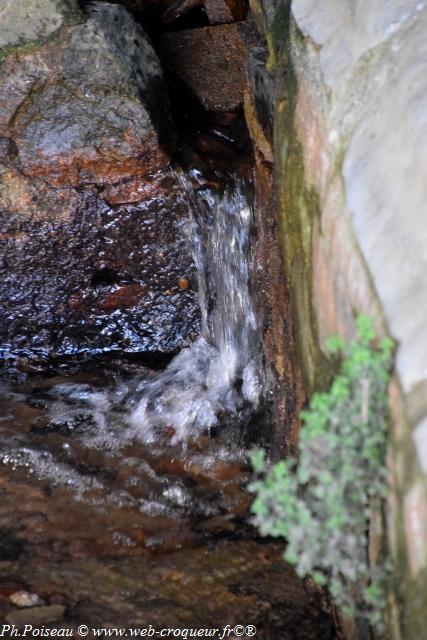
(350, 133)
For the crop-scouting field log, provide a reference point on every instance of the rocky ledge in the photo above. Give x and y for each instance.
(94, 225)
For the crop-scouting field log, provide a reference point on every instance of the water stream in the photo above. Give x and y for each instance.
(219, 372)
(123, 495)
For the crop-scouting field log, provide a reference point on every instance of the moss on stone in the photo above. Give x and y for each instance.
(299, 210)
(271, 61)
(279, 28)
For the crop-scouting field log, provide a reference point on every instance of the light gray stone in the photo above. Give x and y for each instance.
(415, 524)
(347, 29)
(23, 599)
(372, 58)
(30, 20)
(361, 119)
(386, 177)
(420, 440)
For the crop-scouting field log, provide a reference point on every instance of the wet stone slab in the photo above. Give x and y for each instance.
(105, 279)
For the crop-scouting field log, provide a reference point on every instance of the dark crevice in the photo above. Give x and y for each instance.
(158, 18)
(104, 277)
(213, 141)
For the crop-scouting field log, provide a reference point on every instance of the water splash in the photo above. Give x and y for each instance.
(214, 381)
(219, 372)
(108, 441)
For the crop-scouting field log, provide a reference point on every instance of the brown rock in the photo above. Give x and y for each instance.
(73, 109)
(256, 132)
(134, 189)
(210, 61)
(223, 11)
(36, 615)
(26, 199)
(218, 12)
(93, 225)
(218, 524)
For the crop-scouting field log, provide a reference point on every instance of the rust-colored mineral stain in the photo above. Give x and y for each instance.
(123, 297)
(183, 283)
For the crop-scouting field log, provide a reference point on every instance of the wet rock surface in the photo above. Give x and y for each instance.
(135, 535)
(73, 111)
(94, 227)
(107, 279)
(218, 78)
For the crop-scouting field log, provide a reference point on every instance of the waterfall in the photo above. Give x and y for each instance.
(219, 372)
(216, 379)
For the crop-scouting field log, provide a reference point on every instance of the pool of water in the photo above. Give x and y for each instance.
(145, 533)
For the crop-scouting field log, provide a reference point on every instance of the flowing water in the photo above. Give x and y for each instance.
(219, 372)
(123, 493)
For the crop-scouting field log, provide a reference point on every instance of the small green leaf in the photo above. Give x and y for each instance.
(335, 344)
(257, 458)
(365, 328)
(319, 578)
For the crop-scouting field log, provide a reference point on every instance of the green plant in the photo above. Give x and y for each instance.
(322, 503)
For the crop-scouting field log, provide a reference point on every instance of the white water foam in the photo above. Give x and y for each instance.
(219, 372)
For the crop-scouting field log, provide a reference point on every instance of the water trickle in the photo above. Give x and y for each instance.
(215, 381)
(219, 372)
